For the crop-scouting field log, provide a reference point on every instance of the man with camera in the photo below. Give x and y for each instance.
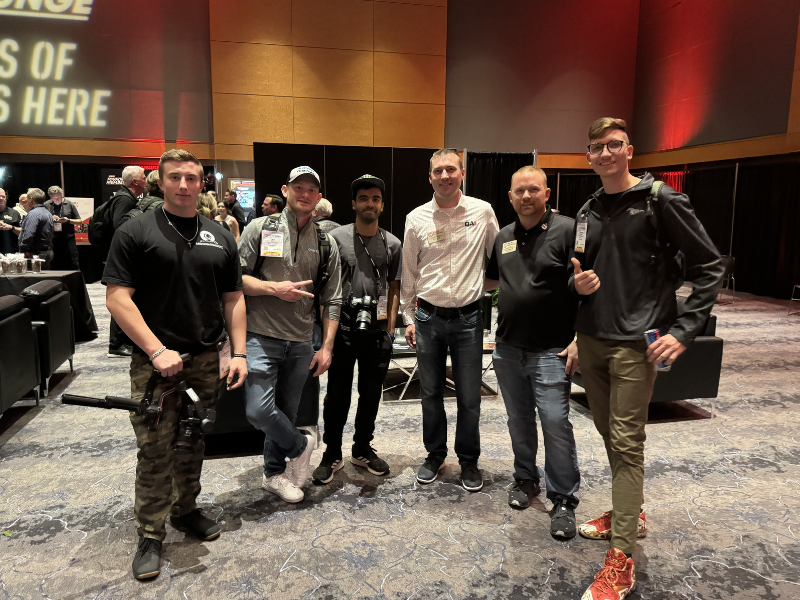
(174, 285)
(284, 257)
(371, 259)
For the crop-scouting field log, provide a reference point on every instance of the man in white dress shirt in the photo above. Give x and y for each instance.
(447, 243)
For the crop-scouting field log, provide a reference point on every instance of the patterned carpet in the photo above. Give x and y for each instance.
(722, 498)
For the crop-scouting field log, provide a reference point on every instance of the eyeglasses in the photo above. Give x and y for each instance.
(614, 147)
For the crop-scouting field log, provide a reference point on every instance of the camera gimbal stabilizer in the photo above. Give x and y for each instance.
(194, 419)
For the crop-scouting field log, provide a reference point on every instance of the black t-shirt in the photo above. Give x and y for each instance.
(536, 309)
(609, 200)
(67, 210)
(8, 239)
(178, 288)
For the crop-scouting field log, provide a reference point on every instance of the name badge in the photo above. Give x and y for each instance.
(436, 236)
(56, 226)
(224, 351)
(383, 312)
(510, 247)
(272, 244)
(580, 234)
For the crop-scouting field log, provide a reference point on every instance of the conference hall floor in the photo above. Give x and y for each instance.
(722, 500)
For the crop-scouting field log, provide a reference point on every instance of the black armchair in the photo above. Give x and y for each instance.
(19, 367)
(55, 330)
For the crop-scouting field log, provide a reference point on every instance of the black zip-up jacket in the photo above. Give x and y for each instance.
(635, 267)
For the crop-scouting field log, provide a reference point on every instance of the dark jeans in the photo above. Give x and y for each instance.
(308, 411)
(277, 370)
(372, 350)
(464, 336)
(117, 337)
(65, 255)
(531, 382)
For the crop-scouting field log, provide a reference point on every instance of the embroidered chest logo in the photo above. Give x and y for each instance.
(634, 211)
(207, 236)
(207, 239)
(470, 223)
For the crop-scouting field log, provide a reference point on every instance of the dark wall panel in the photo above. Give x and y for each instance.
(410, 184)
(711, 193)
(273, 162)
(712, 70)
(525, 74)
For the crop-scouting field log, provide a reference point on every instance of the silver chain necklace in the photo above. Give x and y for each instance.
(189, 241)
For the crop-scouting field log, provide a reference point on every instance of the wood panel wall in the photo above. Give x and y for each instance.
(346, 72)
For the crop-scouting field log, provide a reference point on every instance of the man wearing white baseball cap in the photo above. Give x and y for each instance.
(289, 268)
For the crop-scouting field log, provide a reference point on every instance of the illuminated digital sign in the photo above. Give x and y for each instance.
(78, 68)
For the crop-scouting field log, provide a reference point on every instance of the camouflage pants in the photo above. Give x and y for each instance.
(167, 480)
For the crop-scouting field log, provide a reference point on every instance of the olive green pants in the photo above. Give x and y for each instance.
(168, 480)
(619, 383)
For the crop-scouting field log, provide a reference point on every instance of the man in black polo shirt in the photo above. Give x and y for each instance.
(536, 355)
(174, 286)
(65, 217)
(234, 208)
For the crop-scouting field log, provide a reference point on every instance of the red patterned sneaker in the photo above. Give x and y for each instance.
(600, 528)
(615, 580)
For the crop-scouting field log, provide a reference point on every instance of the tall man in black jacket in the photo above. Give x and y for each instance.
(626, 239)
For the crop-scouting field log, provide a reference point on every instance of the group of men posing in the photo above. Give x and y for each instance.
(176, 283)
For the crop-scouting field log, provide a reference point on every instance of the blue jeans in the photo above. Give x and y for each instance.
(277, 370)
(531, 381)
(464, 336)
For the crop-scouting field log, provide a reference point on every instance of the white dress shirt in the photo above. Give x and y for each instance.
(445, 252)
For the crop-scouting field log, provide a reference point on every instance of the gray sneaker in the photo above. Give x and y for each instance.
(147, 562)
(430, 469)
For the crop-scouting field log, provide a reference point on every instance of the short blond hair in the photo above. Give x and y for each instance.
(445, 152)
(597, 128)
(529, 169)
(206, 205)
(53, 190)
(178, 155)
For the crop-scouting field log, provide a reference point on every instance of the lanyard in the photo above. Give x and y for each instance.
(375, 270)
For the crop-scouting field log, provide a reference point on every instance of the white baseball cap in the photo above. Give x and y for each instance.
(298, 171)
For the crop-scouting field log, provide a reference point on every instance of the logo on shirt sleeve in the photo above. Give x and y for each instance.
(470, 223)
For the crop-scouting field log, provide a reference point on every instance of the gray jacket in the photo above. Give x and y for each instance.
(271, 316)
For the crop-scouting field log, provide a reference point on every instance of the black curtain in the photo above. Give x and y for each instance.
(574, 191)
(18, 177)
(82, 180)
(489, 178)
(711, 194)
(766, 244)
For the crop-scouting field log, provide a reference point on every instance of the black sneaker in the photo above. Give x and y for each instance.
(147, 562)
(562, 521)
(430, 469)
(120, 352)
(471, 478)
(522, 492)
(197, 524)
(324, 472)
(366, 457)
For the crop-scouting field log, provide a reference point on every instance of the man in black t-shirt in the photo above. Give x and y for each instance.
(371, 260)
(234, 208)
(174, 284)
(65, 217)
(535, 354)
(9, 219)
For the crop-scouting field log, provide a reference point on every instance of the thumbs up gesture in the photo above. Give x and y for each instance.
(586, 282)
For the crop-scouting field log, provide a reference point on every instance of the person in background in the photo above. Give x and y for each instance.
(272, 204)
(22, 206)
(65, 217)
(36, 235)
(234, 208)
(322, 216)
(9, 221)
(535, 353)
(225, 217)
(125, 199)
(447, 242)
(153, 196)
(626, 238)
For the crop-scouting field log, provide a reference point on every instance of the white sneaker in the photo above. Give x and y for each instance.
(282, 487)
(301, 466)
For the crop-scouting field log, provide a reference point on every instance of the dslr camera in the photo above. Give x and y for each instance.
(367, 310)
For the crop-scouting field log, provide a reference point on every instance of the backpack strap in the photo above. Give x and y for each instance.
(324, 247)
(653, 205)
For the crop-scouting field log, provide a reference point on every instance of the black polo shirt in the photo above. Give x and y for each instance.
(536, 309)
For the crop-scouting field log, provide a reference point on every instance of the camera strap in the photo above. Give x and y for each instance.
(375, 271)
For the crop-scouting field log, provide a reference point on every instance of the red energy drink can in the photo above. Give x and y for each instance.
(650, 336)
